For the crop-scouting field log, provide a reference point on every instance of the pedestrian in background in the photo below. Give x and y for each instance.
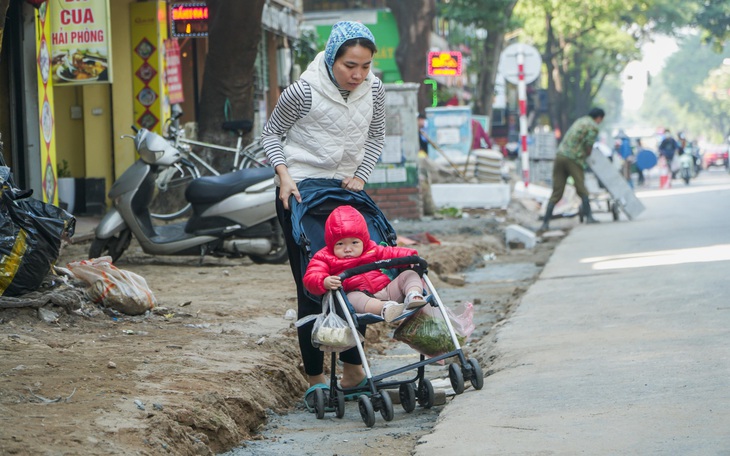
(478, 134)
(627, 155)
(570, 161)
(639, 149)
(667, 149)
(422, 139)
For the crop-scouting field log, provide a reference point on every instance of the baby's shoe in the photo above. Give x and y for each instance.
(392, 310)
(414, 299)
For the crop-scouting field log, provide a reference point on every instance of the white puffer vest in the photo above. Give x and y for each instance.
(328, 142)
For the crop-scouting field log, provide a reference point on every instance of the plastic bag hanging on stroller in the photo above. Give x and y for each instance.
(330, 332)
(427, 333)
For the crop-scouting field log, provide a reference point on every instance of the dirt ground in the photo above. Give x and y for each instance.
(199, 373)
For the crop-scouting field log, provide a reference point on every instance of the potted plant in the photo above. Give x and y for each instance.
(66, 187)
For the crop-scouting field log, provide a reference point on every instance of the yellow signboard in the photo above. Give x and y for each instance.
(149, 31)
(45, 106)
(444, 63)
(81, 41)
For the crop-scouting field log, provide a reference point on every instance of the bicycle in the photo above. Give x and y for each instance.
(169, 201)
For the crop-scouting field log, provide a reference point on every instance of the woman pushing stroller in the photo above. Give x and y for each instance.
(349, 245)
(333, 118)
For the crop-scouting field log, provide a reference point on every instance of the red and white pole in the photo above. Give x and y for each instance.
(522, 99)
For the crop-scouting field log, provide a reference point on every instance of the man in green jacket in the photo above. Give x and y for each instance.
(570, 160)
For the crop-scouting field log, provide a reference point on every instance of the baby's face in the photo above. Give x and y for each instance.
(348, 248)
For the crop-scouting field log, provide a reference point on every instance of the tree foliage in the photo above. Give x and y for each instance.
(688, 93)
(305, 47)
(687, 68)
(714, 18)
(715, 90)
(579, 51)
(494, 16)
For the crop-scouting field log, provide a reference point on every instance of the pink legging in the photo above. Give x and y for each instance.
(395, 291)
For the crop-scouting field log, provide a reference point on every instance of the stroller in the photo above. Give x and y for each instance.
(320, 198)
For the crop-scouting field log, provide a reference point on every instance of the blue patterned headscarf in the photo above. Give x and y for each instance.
(341, 32)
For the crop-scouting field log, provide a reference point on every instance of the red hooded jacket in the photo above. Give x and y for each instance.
(344, 222)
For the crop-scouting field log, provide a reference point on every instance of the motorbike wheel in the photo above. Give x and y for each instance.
(279, 253)
(113, 246)
(685, 176)
(169, 201)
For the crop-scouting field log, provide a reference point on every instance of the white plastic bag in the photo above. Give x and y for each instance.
(121, 290)
(330, 332)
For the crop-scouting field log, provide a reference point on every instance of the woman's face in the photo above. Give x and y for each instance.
(352, 67)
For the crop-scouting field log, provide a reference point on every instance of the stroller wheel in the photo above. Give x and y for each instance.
(456, 377)
(340, 404)
(386, 406)
(477, 377)
(426, 396)
(366, 410)
(407, 394)
(319, 403)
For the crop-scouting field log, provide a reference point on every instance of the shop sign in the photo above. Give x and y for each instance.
(173, 71)
(444, 63)
(80, 42)
(45, 106)
(189, 20)
(148, 34)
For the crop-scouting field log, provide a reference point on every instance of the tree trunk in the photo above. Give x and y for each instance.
(415, 24)
(4, 4)
(228, 81)
(493, 45)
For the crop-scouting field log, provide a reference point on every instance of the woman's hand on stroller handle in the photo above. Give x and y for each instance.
(287, 187)
(354, 184)
(384, 264)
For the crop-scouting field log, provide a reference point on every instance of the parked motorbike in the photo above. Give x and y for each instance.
(234, 214)
(686, 165)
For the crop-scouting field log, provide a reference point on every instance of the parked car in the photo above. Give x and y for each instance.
(715, 156)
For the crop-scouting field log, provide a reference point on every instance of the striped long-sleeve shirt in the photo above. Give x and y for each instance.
(295, 102)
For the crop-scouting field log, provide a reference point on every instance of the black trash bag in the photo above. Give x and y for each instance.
(30, 239)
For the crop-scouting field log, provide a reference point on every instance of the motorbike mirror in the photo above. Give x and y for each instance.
(154, 149)
(176, 111)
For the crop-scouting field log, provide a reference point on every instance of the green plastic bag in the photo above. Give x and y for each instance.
(426, 331)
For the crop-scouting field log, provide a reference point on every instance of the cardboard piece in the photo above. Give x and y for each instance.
(616, 185)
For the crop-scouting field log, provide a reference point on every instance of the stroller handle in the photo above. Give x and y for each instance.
(384, 264)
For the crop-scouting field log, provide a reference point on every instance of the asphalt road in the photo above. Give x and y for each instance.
(622, 346)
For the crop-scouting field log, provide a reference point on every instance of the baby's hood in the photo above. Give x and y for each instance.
(344, 222)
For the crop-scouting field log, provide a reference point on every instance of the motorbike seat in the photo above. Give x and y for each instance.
(236, 126)
(211, 189)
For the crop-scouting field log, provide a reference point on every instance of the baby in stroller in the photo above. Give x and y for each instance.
(327, 215)
(348, 245)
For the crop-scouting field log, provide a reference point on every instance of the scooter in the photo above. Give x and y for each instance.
(686, 163)
(234, 214)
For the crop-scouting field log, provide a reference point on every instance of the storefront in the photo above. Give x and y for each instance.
(92, 88)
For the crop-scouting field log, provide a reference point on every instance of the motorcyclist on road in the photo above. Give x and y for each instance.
(667, 148)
